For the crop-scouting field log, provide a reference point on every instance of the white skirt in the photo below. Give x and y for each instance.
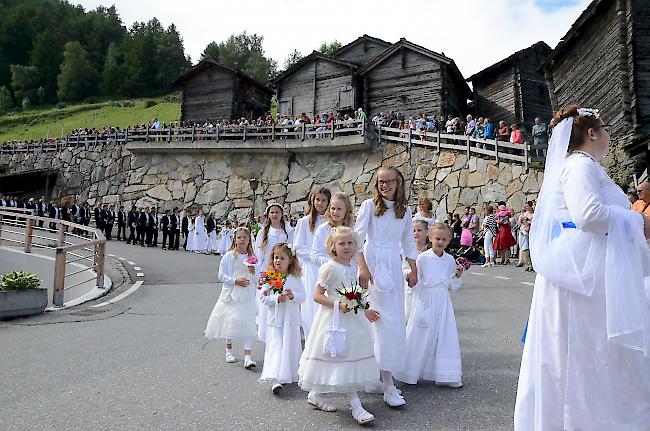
(308, 308)
(282, 354)
(432, 346)
(233, 316)
(356, 371)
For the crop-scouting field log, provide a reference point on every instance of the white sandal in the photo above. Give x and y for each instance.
(321, 405)
(362, 416)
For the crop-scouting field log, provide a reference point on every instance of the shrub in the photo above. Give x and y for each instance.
(19, 281)
(128, 104)
(150, 103)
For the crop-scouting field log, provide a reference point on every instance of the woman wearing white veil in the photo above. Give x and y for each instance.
(586, 360)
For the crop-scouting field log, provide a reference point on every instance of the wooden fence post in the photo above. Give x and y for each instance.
(468, 147)
(193, 132)
(146, 138)
(244, 135)
(28, 235)
(1, 222)
(126, 136)
(62, 230)
(378, 134)
(526, 161)
(496, 150)
(303, 133)
(438, 141)
(363, 127)
(273, 132)
(169, 135)
(410, 136)
(218, 133)
(333, 123)
(101, 249)
(59, 277)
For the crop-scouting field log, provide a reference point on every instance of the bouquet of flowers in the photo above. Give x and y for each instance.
(354, 296)
(251, 261)
(465, 263)
(271, 282)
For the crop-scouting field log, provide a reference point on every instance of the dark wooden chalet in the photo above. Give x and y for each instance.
(604, 62)
(316, 84)
(361, 50)
(514, 89)
(214, 91)
(410, 79)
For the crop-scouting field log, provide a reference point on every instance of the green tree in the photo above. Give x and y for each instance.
(244, 52)
(47, 56)
(170, 58)
(328, 48)
(25, 83)
(292, 59)
(78, 78)
(6, 101)
(112, 82)
(211, 52)
(140, 54)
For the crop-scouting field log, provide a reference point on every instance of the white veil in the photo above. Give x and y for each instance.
(578, 261)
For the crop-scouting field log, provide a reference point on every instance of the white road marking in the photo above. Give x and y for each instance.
(121, 296)
(110, 255)
(121, 258)
(477, 273)
(140, 274)
(501, 278)
(131, 263)
(527, 283)
(137, 268)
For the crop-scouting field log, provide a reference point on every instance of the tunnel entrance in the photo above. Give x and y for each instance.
(34, 183)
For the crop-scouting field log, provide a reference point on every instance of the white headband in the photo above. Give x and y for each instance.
(588, 112)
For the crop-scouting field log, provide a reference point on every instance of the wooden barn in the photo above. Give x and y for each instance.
(214, 91)
(410, 79)
(514, 89)
(604, 62)
(316, 84)
(361, 50)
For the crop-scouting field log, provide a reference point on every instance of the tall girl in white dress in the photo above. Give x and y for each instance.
(190, 234)
(200, 235)
(233, 316)
(339, 213)
(283, 347)
(226, 238)
(586, 360)
(303, 239)
(432, 346)
(357, 370)
(384, 224)
(274, 232)
(420, 232)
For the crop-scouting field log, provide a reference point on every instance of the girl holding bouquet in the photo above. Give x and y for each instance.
(384, 225)
(317, 204)
(339, 213)
(282, 294)
(432, 347)
(233, 317)
(356, 368)
(275, 231)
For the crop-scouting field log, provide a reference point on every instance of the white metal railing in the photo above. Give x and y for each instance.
(71, 242)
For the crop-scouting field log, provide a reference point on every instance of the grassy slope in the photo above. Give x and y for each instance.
(45, 122)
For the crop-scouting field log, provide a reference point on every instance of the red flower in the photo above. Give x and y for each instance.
(350, 296)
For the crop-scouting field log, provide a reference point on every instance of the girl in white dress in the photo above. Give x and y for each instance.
(432, 346)
(226, 238)
(190, 234)
(233, 317)
(384, 224)
(586, 359)
(357, 369)
(425, 208)
(283, 348)
(200, 235)
(339, 213)
(420, 232)
(303, 239)
(274, 232)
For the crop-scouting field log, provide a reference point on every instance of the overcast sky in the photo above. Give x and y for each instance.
(475, 33)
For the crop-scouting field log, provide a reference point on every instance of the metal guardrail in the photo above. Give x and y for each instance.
(67, 239)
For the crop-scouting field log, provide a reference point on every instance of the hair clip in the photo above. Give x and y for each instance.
(588, 112)
(290, 247)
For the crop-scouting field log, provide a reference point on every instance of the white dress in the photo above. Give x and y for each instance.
(263, 253)
(303, 239)
(385, 240)
(572, 377)
(430, 220)
(283, 347)
(233, 316)
(212, 241)
(226, 240)
(200, 242)
(357, 370)
(408, 291)
(432, 346)
(190, 236)
(319, 254)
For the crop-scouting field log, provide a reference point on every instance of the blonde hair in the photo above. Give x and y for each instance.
(347, 220)
(337, 232)
(441, 226)
(233, 243)
(400, 194)
(294, 265)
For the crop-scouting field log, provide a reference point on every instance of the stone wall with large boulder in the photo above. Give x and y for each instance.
(223, 182)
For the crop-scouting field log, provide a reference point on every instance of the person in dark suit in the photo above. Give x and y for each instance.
(54, 213)
(86, 216)
(109, 221)
(164, 225)
(142, 226)
(185, 226)
(99, 220)
(132, 220)
(174, 230)
(42, 210)
(121, 224)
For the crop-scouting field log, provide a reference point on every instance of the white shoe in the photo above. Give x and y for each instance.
(450, 384)
(231, 358)
(485, 265)
(394, 399)
(249, 363)
(362, 416)
(276, 388)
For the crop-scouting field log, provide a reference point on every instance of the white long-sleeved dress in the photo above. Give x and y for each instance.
(200, 242)
(233, 316)
(318, 251)
(263, 253)
(385, 239)
(226, 240)
(432, 346)
(303, 239)
(574, 374)
(283, 347)
(190, 246)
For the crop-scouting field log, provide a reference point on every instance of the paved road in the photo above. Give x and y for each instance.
(142, 363)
